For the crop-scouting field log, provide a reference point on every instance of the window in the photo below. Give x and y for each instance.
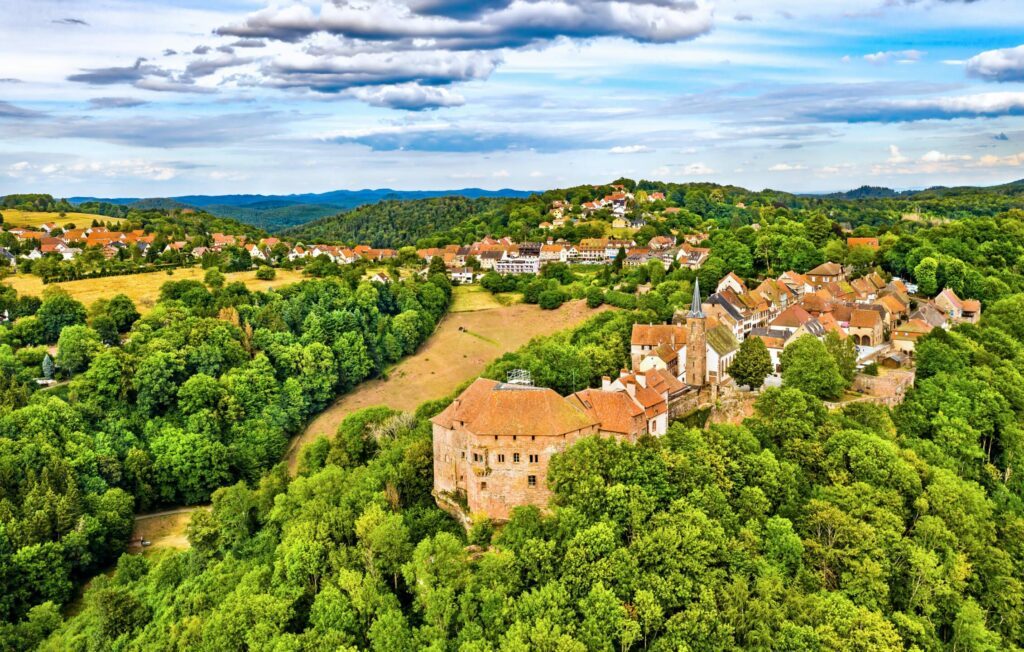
(483, 485)
(533, 437)
(534, 459)
(531, 480)
(515, 457)
(463, 454)
(501, 458)
(477, 457)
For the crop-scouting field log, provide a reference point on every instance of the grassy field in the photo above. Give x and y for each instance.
(458, 351)
(163, 530)
(470, 298)
(143, 289)
(14, 217)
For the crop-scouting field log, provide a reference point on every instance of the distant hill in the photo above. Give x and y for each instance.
(276, 212)
(869, 192)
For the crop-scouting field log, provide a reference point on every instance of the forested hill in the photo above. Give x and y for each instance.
(444, 220)
(396, 223)
(276, 212)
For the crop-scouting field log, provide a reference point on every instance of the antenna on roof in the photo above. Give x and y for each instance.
(520, 377)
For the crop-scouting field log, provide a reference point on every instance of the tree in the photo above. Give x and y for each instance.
(753, 363)
(214, 278)
(436, 266)
(76, 347)
(57, 311)
(595, 297)
(926, 273)
(807, 366)
(47, 367)
(843, 352)
(266, 273)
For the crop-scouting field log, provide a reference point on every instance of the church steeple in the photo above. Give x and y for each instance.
(695, 307)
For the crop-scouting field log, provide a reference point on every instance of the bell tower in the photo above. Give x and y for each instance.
(696, 343)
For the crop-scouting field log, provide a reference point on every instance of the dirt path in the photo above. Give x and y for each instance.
(459, 350)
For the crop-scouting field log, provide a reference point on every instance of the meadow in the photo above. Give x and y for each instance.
(14, 217)
(143, 289)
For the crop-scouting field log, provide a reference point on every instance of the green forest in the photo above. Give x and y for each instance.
(203, 391)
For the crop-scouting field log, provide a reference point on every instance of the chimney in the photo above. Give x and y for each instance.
(606, 382)
(641, 379)
(631, 388)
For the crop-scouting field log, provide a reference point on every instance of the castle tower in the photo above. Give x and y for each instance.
(696, 343)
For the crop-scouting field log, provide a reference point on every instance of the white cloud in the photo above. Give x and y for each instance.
(899, 56)
(130, 168)
(935, 156)
(411, 97)
(896, 157)
(630, 149)
(1006, 65)
(787, 167)
(992, 161)
(697, 169)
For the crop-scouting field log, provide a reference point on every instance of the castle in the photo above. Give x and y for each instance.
(492, 444)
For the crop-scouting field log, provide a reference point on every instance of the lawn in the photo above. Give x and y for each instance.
(13, 217)
(143, 289)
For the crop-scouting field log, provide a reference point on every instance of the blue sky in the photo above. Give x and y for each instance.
(168, 97)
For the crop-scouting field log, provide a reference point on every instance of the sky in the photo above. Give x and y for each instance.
(118, 98)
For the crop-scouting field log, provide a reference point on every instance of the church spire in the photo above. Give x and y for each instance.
(695, 308)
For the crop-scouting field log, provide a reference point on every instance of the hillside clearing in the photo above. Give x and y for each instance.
(461, 348)
(143, 289)
(14, 217)
(470, 298)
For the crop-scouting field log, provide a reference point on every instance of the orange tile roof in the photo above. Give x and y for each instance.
(615, 411)
(488, 407)
(792, 317)
(658, 334)
(827, 269)
(864, 319)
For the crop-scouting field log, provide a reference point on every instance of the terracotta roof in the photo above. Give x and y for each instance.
(488, 407)
(657, 334)
(614, 411)
(892, 304)
(827, 269)
(914, 327)
(791, 317)
(864, 319)
(951, 296)
(862, 242)
(971, 305)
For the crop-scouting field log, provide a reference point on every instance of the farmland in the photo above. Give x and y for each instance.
(14, 217)
(143, 289)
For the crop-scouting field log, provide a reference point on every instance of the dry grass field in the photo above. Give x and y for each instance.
(14, 217)
(470, 298)
(459, 350)
(143, 289)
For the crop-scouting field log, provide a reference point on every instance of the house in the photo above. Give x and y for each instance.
(775, 341)
(870, 243)
(7, 258)
(826, 273)
(380, 277)
(959, 310)
(255, 252)
(931, 315)
(654, 403)
(731, 282)
(692, 238)
(462, 275)
(905, 336)
(656, 196)
(692, 257)
(620, 223)
(646, 339)
(489, 259)
(798, 283)
(493, 443)
(661, 242)
(866, 328)
(514, 263)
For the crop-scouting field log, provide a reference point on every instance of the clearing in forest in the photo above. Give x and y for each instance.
(143, 289)
(459, 350)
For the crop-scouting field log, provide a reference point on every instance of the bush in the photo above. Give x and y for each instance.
(550, 299)
(266, 273)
